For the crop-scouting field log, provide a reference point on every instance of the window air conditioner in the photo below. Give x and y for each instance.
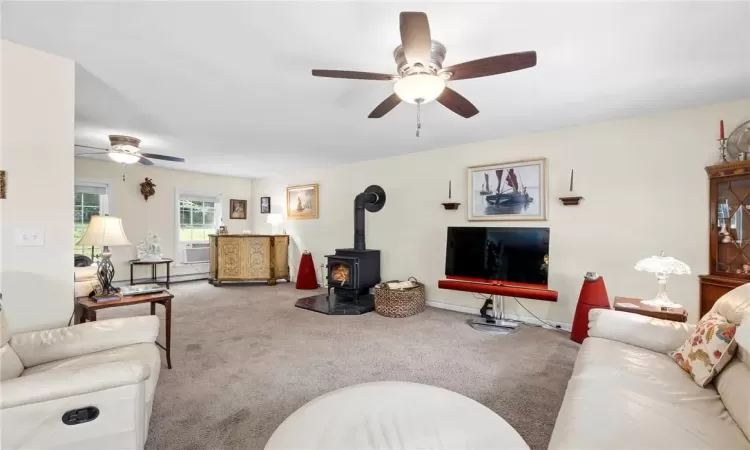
(196, 253)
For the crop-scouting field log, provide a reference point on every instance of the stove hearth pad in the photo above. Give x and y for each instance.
(338, 305)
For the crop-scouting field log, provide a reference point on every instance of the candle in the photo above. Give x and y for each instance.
(449, 190)
(721, 130)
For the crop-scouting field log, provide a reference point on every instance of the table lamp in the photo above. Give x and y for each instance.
(662, 266)
(274, 220)
(105, 232)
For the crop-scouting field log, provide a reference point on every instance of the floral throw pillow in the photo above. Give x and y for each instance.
(708, 350)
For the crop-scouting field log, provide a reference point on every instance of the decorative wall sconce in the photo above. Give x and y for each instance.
(573, 199)
(148, 188)
(450, 206)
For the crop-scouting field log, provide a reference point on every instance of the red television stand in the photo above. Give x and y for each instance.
(496, 321)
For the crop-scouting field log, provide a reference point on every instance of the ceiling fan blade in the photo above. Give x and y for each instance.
(493, 65)
(415, 37)
(352, 75)
(145, 161)
(457, 103)
(163, 157)
(385, 107)
(88, 146)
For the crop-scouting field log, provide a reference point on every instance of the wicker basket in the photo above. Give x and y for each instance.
(400, 302)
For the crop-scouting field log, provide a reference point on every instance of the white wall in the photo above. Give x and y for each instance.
(37, 153)
(158, 213)
(644, 185)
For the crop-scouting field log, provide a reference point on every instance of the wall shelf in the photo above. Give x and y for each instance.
(571, 201)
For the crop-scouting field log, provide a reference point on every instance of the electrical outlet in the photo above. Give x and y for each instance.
(30, 237)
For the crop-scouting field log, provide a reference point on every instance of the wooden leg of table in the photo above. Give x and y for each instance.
(80, 314)
(168, 306)
(91, 315)
(153, 309)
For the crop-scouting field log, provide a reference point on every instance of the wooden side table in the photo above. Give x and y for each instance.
(86, 308)
(153, 264)
(635, 306)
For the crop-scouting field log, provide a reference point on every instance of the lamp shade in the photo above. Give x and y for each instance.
(663, 264)
(104, 231)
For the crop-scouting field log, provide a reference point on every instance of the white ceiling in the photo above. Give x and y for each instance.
(228, 86)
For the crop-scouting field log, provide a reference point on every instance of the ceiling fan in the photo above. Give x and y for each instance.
(421, 77)
(124, 150)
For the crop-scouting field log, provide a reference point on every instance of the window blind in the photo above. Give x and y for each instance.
(198, 198)
(88, 189)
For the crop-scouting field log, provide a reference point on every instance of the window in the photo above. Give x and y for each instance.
(199, 217)
(90, 200)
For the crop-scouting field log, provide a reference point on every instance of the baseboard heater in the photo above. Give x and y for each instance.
(172, 279)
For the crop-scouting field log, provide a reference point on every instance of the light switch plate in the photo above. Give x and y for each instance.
(30, 237)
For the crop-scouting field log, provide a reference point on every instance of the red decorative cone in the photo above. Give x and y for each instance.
(593, 295)
(306, 278)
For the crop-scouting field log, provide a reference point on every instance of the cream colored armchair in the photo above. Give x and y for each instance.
(89, 386)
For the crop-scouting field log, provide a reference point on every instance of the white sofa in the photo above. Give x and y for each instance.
(627, 393)
(112, 365)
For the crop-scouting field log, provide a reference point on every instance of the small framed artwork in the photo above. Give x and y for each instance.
(265, 205)
(508, 191)
(302, 202)
(237, 209)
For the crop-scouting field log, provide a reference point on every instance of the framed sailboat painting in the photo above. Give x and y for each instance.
(508, 191)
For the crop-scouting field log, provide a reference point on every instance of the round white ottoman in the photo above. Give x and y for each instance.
(394, 415)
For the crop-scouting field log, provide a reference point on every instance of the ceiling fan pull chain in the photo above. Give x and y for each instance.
(419, 118)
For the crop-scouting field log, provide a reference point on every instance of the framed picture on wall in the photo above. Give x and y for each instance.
(237, 209)
(302, 202)
(508, 191)
(265, 205)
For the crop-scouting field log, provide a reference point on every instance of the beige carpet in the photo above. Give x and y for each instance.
(244, 358)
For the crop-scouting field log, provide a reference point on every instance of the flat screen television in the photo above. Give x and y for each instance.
(513, 255)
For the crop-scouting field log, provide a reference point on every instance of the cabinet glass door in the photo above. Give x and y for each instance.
(733, 227)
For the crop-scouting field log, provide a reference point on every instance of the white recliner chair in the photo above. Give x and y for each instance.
(86, 387)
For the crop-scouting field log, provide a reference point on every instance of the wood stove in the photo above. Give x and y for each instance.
(352, 271)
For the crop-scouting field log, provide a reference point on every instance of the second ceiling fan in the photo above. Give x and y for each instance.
(421, 77)
(126, 150)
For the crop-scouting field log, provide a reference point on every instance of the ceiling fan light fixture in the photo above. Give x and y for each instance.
(127, 148)
(419, 88)
(124, 149)
(123, 157)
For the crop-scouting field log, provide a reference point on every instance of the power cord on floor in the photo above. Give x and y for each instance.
(554, 327)
(551, 326)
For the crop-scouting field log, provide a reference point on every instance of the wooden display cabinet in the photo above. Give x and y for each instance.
(729, 232)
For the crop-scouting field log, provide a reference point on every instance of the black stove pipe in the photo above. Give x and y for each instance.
(359, 217)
